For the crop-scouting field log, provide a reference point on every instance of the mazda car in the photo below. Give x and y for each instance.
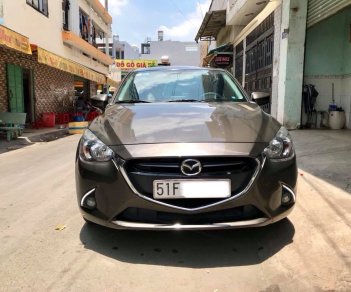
(184, 148)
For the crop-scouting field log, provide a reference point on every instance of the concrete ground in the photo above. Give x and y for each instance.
(46, 246)
(31, 136)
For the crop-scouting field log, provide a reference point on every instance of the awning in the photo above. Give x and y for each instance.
(55, 61)
(211, 25)
(221, 55)
(14, 40)
(77, 42)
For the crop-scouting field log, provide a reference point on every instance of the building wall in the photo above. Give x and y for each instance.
(83, 4)
(228, 34)
(43, 31)
(53, 89)
(129, 51)
(179, 53)
(291, 62)
(327, 61)
(276, 58)
(218, 5)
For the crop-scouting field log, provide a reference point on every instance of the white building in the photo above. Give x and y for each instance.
(178, 53)
(48, 50)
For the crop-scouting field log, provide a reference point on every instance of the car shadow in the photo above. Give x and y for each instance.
(193, 249)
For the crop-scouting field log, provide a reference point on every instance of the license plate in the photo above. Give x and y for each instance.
(200, 189)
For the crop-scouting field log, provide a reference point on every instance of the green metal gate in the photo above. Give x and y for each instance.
(15, 88)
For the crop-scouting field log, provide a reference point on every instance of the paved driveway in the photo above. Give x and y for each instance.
(311, 251)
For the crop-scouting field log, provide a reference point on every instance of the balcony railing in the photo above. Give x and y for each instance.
(101, 11)
(74, 40)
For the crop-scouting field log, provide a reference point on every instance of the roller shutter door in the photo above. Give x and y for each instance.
(321, 9)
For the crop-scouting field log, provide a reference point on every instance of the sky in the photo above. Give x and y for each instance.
(135, 20)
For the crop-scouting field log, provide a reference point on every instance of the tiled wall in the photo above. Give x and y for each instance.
(342, 93)
(53, 89)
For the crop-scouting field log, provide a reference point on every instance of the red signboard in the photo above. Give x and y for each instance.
(223, 60)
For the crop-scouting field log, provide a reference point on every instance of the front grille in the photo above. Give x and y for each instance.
(142, 173)
(139, 215)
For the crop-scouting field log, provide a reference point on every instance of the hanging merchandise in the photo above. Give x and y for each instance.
(309, 98)
(88, 28)
(94, 35)
(81, 25)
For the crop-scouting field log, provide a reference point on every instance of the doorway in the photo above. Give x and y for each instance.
(28, 93)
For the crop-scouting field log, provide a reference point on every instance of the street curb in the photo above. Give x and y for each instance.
(47, 137)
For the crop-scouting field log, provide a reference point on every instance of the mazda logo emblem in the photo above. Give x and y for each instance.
(191, 167)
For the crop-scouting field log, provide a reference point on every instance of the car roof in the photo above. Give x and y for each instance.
(170, 68)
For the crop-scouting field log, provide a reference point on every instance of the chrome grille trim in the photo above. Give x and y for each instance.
(86, 195)
(120, 168)
(288, 189)
(138, 225)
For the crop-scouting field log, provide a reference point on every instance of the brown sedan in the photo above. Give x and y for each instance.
(184, 148)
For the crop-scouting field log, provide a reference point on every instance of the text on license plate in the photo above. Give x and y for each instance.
(179, 189)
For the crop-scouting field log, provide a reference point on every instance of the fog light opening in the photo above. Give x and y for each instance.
(288, 196)
(89, 201)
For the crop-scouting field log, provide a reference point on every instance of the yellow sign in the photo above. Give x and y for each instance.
(14, 40)
(134, 64)
(60, 63)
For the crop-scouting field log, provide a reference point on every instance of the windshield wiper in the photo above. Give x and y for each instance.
(133, 101)
(186, 100)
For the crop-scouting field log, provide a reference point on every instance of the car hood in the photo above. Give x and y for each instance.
(184, 123)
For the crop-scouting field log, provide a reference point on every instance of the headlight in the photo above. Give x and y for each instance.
(281, 147)
(92, 149)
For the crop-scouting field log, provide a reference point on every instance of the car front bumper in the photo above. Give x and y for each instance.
(114, 193)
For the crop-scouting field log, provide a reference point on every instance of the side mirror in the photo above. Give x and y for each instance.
(260, 97)
(99, 101)
(101, 105)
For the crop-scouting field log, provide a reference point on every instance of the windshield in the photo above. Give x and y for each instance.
(180, 86)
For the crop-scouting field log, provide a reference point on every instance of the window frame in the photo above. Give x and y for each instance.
(240, 93)
(41, 4)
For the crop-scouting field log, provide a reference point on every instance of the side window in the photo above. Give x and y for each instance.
(40, 5)
(125, 91)
(230, 88)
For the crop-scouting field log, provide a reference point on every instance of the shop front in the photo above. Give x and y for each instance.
(16, 81)
(36, 81)
(220, 57)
